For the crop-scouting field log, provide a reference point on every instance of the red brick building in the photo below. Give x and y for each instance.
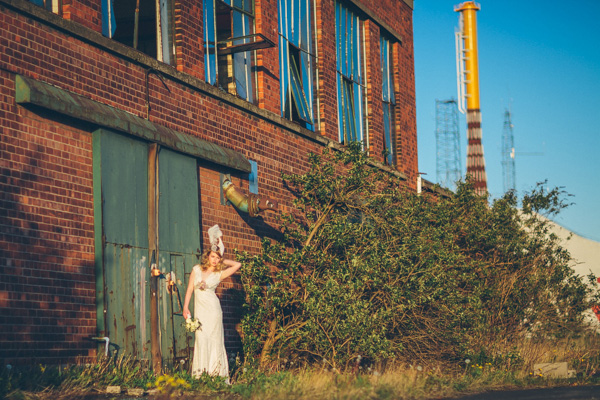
(118, 128)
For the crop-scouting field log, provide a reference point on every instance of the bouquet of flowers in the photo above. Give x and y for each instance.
(191, 324)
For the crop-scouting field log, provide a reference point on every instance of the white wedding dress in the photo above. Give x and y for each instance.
(209, 348)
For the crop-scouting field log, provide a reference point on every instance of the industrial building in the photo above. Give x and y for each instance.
(123, 121)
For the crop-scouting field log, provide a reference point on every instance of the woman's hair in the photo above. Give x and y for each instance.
(204, 260)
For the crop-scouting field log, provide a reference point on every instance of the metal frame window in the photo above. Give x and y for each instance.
(298, 61)
(229, 44)
(389, 100)
(145, 25)
(351, 75)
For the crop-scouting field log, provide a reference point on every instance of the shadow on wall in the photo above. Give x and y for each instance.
(47, 293)
(232, 315)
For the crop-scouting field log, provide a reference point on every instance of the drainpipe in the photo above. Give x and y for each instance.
(248, 203)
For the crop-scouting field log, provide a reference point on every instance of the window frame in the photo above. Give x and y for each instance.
(298, 61)
(54, 6)
(351, 71)
(244, 57)
(388, 98)
(164, 29)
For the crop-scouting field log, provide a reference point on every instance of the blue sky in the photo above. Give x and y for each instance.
(541, 60)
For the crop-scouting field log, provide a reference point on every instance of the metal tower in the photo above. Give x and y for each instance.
(447, 139)
(508, 154)
(468, 91)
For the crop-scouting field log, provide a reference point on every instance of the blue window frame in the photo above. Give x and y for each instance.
(253, 178)
(389, 100)
(148, 28)
(350, 75)
(298, 60)
(228, 43)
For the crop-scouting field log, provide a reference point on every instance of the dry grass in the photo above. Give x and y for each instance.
(504, 365)
(508, 365)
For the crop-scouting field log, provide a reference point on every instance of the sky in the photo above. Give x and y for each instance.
(541, 61)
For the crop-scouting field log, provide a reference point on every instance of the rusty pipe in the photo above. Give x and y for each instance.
(248, 203)
(107, 343)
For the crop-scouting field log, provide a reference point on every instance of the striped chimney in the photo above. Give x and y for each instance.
(468, 89)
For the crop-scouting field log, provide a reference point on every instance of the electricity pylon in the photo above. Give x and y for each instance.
(447, 136)
(508, 154)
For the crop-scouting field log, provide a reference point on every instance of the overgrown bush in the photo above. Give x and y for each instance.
(370, 271)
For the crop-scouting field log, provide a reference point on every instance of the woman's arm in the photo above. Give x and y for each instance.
(233, 266)
(188, 296)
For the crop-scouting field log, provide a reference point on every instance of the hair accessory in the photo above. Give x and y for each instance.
(214, 237)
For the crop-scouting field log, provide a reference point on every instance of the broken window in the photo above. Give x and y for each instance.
(146, 25)
(351, 75)
(50, 5)
(389, 100)
(230, 44)
(297, 60)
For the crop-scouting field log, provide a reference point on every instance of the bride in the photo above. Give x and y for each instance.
(209, 348)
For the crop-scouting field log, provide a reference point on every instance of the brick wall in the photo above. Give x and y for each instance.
(47, 284)
(406, 111)
(47, 279)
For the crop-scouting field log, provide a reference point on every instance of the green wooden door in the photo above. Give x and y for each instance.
(121, 164)
(121, 182)
(178, 244)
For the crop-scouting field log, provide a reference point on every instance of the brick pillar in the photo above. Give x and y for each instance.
(374, 91)
(85, 12)
(189, 38)
(267, 60)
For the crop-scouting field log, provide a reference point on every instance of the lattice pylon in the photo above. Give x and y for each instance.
(508, 154)
(447, 135)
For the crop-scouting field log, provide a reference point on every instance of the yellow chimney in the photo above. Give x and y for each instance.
(468, 11)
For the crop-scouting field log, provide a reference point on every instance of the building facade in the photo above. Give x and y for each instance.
(122, 120)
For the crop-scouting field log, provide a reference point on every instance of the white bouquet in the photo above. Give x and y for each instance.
(191, 325)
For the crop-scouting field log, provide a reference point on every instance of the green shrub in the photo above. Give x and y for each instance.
(369, 270)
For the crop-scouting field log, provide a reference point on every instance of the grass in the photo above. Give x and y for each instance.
(501, 366)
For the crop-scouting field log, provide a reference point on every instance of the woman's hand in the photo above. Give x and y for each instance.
(186, 313)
